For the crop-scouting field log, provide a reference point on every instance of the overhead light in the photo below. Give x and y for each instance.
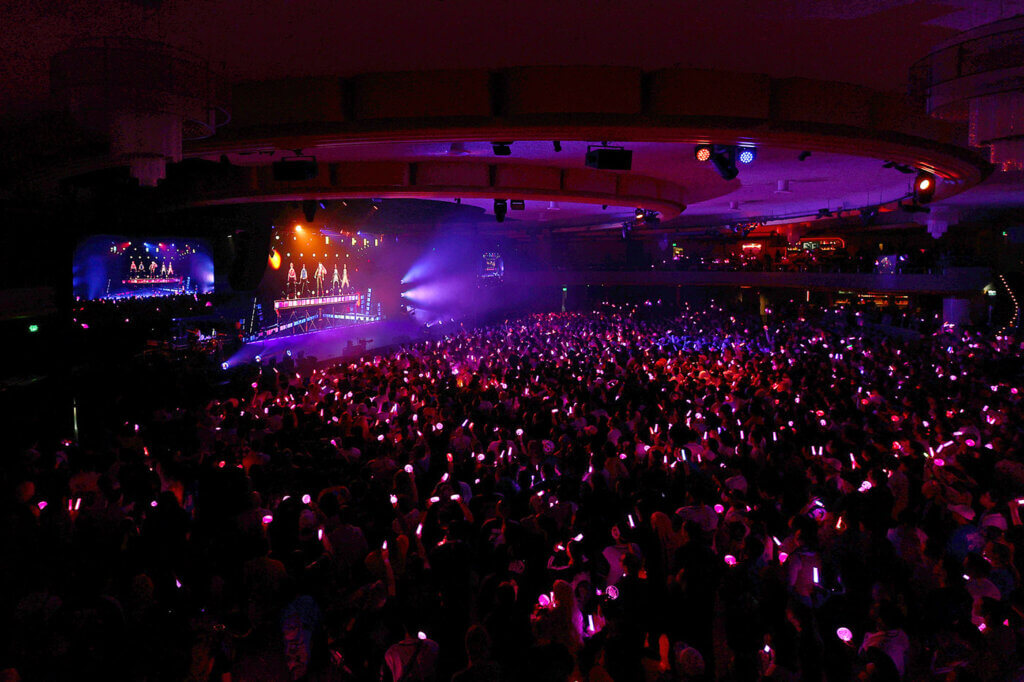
(803, 156)
(868, 215)
(639, 213)
(902, 168)
(609, 157)
(702, 152)
(500, 209)
(502, 148)
(723, 158)
(746, 155)
(924, 187)
(518, 204)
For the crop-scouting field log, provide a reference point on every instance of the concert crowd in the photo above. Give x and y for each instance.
(628, 495)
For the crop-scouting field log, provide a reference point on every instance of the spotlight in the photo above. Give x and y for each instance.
(868, 215)
(322, 205)
(723, 158)
(502, 148)
(288, 352)
(224, 365)
(924, 187)
(702, 152)
(500, 209)
(803, 156)
(639, 213)
(907, 170)
(558, 145)
(259, 358)
(746, 155)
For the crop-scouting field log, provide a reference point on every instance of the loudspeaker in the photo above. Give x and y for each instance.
(605, 158)
(294, 170)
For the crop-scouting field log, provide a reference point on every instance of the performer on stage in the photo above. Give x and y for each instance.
(303, 281)
(319, 275)
(134, 271)
(152, 269)
(293, 282)
(335, 282)
(163, 270)
(344, 277)
(170, 269)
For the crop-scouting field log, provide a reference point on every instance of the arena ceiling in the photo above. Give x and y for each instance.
(855, 54)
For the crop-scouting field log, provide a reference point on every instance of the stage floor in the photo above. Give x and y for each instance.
(332, 344)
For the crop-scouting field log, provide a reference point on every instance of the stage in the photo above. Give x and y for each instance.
(308, 314)
(332, 344)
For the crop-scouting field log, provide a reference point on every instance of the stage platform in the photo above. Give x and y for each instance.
(152, 280)
(333, 344)
(317, 301)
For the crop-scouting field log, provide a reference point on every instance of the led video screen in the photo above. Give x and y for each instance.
(115, 267)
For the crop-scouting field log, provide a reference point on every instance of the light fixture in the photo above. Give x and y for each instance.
(702, 152)
(557, 145)
(639, 213)
(500, 209)
(924, 187)
(723, 158)
(902, 168)
(502, 148)
(746, 154)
